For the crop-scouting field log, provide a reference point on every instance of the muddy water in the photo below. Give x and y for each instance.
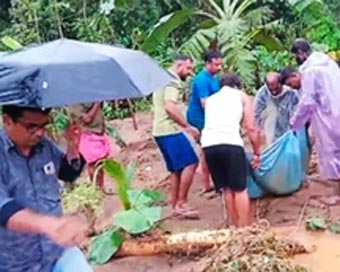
(325, 257)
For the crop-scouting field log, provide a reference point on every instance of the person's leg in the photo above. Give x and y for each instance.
(334, 199)
(230, 208)
(237, 183)
(185, 160)
(95, 147)
(186, 179)
(242, 207)
(166, 146)
(205, 174)
(90, 171)
(174, 189)
(180, 158)
(72, 260)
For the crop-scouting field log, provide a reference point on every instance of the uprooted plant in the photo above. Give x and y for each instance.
(255, 248)
(85, 199)
(139, 213)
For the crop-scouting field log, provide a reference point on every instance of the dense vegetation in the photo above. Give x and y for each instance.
(254, 35)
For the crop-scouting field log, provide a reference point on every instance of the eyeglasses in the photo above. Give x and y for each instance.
(33, 128)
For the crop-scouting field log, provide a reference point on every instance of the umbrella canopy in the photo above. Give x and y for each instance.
(65, 72)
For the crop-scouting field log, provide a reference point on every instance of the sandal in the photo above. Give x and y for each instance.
(188, 207)
(207, 191)
(185, 213)
(210, 193)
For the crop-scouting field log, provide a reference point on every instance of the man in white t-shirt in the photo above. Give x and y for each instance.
(225, 112)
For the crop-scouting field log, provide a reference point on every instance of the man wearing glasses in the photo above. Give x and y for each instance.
(34, 236)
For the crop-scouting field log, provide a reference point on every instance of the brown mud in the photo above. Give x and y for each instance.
(286, 214)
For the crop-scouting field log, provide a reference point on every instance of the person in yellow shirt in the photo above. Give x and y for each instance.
(170, 131)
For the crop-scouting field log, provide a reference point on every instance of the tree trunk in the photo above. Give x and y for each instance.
(183, 243)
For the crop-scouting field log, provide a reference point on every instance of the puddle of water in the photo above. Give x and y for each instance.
(325, 258)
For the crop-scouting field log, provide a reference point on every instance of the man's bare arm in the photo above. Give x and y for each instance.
(89, 116)
(65, 231)
(172, 109)
(249, 124)
(203, 102)
(28, 222)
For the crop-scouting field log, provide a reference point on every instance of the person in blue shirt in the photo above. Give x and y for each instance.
(34, 234)
(204, 84)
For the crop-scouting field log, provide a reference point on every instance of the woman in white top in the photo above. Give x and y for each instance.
(225, 112)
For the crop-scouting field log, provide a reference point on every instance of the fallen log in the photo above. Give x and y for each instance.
(257, 239)
(182, 243)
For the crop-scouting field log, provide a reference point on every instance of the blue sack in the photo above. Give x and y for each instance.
(283, 167)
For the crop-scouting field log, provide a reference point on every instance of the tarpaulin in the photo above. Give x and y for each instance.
(283, 168)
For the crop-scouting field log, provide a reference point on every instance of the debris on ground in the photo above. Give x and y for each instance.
(254, 249)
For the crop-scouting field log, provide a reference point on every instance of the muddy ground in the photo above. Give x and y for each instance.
(287, 214)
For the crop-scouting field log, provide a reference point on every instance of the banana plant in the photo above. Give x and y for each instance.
(236, 24)
(139, 212)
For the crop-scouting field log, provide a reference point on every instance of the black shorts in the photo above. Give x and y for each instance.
(228, 166)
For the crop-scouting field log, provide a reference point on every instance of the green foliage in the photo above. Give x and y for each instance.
(114, 134)
(130, 172)
(83, 197)
(138, 220)
(60, 119)
(335, 228)
(139, 215)
(334, 8)
(104, 246)
(10, 43)
(189, 26)
(144, 197)
(139, 105)
(316, 223)
(117, 172)
(143, 105)
(110, 113)
(326, 32)
(233, 26)
(165, 27)
(59, 122)
(270, 61)
(320, 223)
(4, 14)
